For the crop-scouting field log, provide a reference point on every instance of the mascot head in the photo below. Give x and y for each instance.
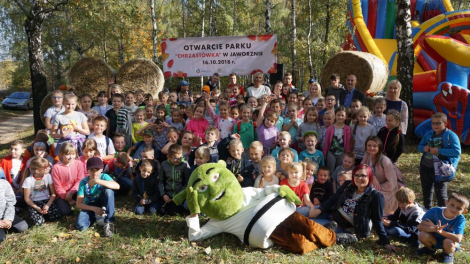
(219, 194)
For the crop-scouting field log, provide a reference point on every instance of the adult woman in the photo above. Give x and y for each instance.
(394, 102)
(355, 204)
(386, 179)
(258, 89)
(314, 92)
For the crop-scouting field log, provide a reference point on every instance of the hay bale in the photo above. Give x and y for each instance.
(141, 74)
(45, 104)
(90, 75)
(371, 72)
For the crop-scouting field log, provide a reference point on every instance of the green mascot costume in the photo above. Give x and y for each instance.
(258, 217)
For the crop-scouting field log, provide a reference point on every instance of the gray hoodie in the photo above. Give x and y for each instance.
(172, 179)
(7, 201)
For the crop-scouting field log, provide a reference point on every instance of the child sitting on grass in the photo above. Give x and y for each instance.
(13, 167)
(267, 178)
(300, 188)
(403, 224)
(8, 218)
(443, 228)
(39, 193)
(145, 189)
(95, 197)
(322, 189)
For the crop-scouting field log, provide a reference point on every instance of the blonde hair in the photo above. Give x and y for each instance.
(296, 166)
(70, 96)
(346, 174)
(286, 134)
(212, 129)
(203, 152)
(19, 143)
(364, 109)
(405, 195)
(90, 143)
(256, 145)
(67, 148)
(235, 142)
(269, 160)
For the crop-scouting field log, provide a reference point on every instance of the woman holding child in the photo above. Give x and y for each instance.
(354, 205)
(392, 97)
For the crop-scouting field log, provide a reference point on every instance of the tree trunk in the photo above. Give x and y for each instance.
(121, 41)
(405, 58)
(105, 48)
(210, 17)
(327, 28)
(294, 40)
(268, 16)
(234, 16)
(309, 36)
(154, 30)
(183, 11)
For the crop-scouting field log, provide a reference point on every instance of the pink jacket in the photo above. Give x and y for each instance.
(67, 178)
(198, 127)
(329, 138)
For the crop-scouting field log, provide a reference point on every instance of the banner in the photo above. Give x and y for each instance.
(242, 55)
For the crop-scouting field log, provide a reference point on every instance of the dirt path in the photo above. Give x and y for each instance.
(11, 128)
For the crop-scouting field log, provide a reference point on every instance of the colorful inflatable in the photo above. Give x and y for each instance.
(442, 52)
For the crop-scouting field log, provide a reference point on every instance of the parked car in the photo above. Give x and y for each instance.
(20, 100)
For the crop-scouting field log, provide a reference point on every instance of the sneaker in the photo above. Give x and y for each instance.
(332, 225)
(108, 229)
(345, 238)
(447, 258)
(425, 251)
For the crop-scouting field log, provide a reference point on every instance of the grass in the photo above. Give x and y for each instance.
(6, 114)
(154, 239)
(27, 136)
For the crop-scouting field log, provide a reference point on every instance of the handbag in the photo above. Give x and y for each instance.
(444, 170)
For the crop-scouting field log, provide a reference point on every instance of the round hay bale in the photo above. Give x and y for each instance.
(90, 75)
(45, 104)
(141, 74)
(371, 72)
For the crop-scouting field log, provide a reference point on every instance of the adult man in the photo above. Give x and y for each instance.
(351, 93)
(335, 88)
(213, 83)
(233, 81)
(288, 80)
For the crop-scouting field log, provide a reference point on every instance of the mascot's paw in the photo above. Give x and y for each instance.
(191, 199)
(289, 194)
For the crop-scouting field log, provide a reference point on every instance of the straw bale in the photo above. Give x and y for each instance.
(141, 74)
(371, 72)
(45, 104)
(90, 75)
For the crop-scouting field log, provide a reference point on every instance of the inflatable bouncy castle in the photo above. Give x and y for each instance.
(441, 39)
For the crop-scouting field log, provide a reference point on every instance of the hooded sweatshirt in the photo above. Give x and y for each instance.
(67, 177)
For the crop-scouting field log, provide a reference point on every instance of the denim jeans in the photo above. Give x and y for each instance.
(427, 177)
(124, 182)
(396, 232)
(151, 208)
(86, 218)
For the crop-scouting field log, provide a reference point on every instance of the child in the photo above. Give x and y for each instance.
(138, 124)
(86, 102)
(246, 128)
(355, 105)
(234, 112)
(267, 132)
(349, 160)
(172, 138)
(252, 102)
(241, 168)
(360, 132)
(442, 144)
(163, 98)
(90, 149)
(57, 108)
(112, 90)
(67, 174)
(328, 120)
(103, 107)
(292, 123)
(267, 178)
(284, 141)
(392, 136)
(378, 118)
(95, 198)
(70, 125)
(172, 178)
(139, 96)
(277, 89)
(299, 187)
(311, 153)
(119, 143)
(310, 124)
(149, 117)
(223, 121)
(39, 150)
(310, 168)
(198, 125)
(14, 166)
(129, 105)
(337, 139)
(343, 176)
(285, 159)
(8, 218)
(443, 228)
(105, 147)
(187, 141)
(330, 105)
(160, 112)
(120, 169)
(119, 119)
(256, 153)
(321, 104)
(275, 106)
(139, 146)
(285, 91)
(292, 99)
(211, 136)
(403, 224)
(158, 131)
(202, 156)
(322, 188)
(306, 104)
(43, 136)
(39, 193)
(176, 120)
(145, 189)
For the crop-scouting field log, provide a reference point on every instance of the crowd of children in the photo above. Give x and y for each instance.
(148, 148)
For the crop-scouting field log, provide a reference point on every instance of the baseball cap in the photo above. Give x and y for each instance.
(148, 132)
(206, 88)
(184, 83)
(308, 133)
(94, 163)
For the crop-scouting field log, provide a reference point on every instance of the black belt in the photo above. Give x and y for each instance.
(257, 216)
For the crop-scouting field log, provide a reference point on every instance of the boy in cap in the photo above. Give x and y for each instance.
(95, 197)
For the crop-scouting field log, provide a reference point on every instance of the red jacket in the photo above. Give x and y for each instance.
(6, 165)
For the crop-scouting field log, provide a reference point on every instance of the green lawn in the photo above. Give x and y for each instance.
(153, 239)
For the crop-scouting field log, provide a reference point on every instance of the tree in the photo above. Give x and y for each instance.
(36, 14)
(294, 40)
(405, 60)
(154, 31)
(267, 14)
(309, 35)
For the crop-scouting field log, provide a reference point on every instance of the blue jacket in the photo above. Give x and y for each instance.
(369, 208)
(451, 150)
